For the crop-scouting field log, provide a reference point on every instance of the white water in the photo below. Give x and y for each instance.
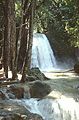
(59, 109)
(51, 109)
(42, 54)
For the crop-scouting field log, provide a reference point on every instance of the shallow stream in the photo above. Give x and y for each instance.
(61, 104)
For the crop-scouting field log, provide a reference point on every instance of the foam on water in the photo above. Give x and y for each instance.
(58, 109)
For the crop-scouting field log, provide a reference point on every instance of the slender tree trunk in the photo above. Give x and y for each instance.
(30, 34)
(9, 38)
(13, 39)
(23, 36)
(7, 29)
(27, 61)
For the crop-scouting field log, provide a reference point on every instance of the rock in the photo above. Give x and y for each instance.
(76, 68)
(39, 89)
(36, 74)
(12, 117)
(2, 96)
(17, 91)
(34, 117)
(30, 78)
(22, 117)
(11, 96)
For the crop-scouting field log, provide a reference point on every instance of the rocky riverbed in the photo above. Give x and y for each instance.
(16, 102)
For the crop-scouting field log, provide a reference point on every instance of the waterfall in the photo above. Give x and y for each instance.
(42, 54)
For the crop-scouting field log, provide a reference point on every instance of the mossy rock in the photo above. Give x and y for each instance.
(36, 74)
(39, 89)
(76, 67)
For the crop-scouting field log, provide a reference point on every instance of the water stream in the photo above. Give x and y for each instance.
(63, 108)
(50, 109)
(42, 54)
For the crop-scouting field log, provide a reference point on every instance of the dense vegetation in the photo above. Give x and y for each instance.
(58, 19)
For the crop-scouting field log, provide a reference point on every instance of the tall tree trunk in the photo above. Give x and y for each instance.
(13, 39)
(29, 50)
(7, 29)
(23, 36)
(30, 34)
(9, 37)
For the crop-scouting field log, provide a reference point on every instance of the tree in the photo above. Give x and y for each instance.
(13, 39)
(27, 60)
(1, 29)
(9, 38)
(23, 34)
(7, 29)
(59, 20)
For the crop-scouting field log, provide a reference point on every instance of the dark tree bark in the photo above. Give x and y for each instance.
(23, 36)
(1, 30)
(9, 38)
(7, 29)
(13, 39)
(27, 61)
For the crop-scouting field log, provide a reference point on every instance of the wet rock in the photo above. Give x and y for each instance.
(76, 68)
(39, 89)
(36, 74)
(12, 117)
(11, 96)
(30, 78)
(17, 91)
(34, 117)
(2, 95)
(22, 117)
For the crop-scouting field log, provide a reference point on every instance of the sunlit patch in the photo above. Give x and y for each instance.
(9, 109)
(58, 75)
(10, 75)
(54, 94)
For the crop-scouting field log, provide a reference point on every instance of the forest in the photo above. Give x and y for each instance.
(22, 22)
(59, 20)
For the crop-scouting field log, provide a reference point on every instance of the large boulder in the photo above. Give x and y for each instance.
(39, 89)
(35, 74)
(76, 68)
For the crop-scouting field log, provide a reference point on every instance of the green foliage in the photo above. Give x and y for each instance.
(60, 19)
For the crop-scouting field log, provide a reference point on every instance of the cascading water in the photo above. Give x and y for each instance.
(50, 109)
(42, 54)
